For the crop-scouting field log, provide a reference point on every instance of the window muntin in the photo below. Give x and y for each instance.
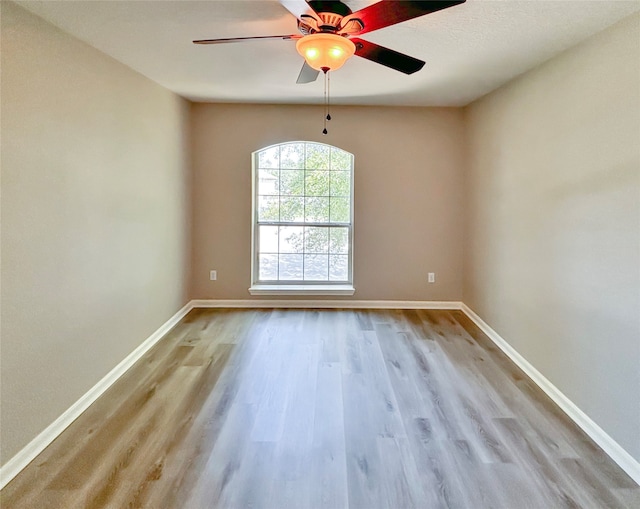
(303, 210)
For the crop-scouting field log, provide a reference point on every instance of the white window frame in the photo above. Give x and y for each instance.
(281, 287)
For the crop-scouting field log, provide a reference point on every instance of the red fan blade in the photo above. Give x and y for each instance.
(387, 57)
(389, 12)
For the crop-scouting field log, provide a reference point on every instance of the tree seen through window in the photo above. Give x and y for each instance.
(302, 211)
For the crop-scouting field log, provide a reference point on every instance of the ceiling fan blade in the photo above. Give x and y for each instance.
(390, 12)
(307, 74)
(299, 8)
(240, 39)
(387, 57)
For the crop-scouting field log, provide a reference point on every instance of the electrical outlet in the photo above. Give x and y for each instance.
(213, 275)
(432, 277)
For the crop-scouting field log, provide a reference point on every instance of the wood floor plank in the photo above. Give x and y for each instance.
(588, 485)
(402, 486)
(514, 488)
(365, 472)
(630, 497)
(323, 409)
(329, 462)
(541, 469)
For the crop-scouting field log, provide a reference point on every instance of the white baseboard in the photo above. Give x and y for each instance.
(38, 444)
(327, 304)
(627, 462)
(49, 434)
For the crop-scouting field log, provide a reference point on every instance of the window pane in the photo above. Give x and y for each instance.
(269, 158)
(268, 208)
(268, 264)
(316, 209)
(298, 183)
(339, 240)
(316, 240)
(292, 182)
(340, 160)
(316, 267)
(338, 268)
(268, 182)
(317, 183)
(317, 157)
(292, 209)
(292, 155)
(340, 212)
(291, 239)
(268, 239)
(290, 267)
(340, 183)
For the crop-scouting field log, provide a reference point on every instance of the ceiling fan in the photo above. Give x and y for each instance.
(329, 33)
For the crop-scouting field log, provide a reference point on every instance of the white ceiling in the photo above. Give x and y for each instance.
(470, 49)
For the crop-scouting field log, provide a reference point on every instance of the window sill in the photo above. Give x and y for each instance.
(302, 290)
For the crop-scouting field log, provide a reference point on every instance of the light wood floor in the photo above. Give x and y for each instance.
(323, 409)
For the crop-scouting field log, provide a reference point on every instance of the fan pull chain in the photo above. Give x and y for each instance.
(325, 70)
(328, 117)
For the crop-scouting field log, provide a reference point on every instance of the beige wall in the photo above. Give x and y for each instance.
(407, 197)
(94, 218)
(553, 238)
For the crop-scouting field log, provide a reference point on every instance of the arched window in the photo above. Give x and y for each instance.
(302, 218)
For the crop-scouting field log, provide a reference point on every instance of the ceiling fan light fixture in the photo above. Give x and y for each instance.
(325, 51)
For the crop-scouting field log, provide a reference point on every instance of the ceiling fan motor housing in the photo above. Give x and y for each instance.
(328, 23)
(330, 14)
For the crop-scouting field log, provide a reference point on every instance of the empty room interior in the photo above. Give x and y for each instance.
(287, 254)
